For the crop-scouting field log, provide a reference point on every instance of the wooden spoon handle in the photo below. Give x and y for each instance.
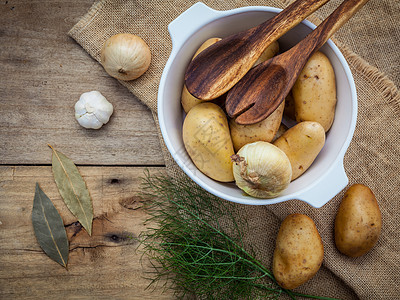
(327, 28)
(264, 87)
(292, 15)
(219, 67)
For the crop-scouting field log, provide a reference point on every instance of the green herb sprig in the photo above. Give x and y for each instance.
(196, 244)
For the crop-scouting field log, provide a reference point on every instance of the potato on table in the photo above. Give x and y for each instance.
(298, 253)
(358, 222)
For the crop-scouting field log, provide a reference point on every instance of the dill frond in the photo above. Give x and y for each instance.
(197, 245)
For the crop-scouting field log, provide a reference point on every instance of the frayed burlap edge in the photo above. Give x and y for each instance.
(86, 19)
(372, 74)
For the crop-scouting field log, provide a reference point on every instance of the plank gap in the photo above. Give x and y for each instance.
(83, 165)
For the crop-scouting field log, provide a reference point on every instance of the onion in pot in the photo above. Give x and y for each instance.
(261, 169)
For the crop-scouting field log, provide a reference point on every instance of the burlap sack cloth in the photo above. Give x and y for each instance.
(372, 158)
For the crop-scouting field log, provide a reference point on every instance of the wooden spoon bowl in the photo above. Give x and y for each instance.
(264, 87)
(219, 67)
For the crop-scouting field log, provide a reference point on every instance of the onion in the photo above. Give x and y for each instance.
(262, 170)
(125, 56)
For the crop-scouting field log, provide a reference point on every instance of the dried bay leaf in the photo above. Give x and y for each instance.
(49, 228)
(73, 189)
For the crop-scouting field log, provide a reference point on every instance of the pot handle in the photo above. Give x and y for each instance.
(327, 188)
(189, 21)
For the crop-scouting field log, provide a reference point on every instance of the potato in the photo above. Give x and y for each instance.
(208, 142)
(298, 253)
(358, 222)
(261, 131)
(187, 100)
(268, 53)
(302, 143)
(206, 44)
(281, 130)
(314, 92)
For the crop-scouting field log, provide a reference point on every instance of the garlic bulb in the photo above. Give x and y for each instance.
(93, 110)
(125, 56)
(261, 169)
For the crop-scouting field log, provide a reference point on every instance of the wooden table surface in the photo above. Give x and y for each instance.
(43, 72)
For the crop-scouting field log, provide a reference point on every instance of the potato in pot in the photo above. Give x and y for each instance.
(314, 92)
(281, 130)
(262, 131)
(302, 144)
(188, 100)
(268, 53)
(208, 142)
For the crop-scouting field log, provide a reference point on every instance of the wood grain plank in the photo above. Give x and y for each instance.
(106, 265)
(43, 72)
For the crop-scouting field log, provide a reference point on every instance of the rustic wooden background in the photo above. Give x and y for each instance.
(42, 74)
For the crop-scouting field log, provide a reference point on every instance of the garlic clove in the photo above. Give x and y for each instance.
(97, 104)
(104, 111)
(79, 109)
(102, 115)
(93, 110)
(89, 120)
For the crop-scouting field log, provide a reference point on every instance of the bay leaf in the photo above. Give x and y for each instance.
(73, 189)
(49, 228)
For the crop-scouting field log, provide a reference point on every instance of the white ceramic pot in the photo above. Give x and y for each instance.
(326, 176)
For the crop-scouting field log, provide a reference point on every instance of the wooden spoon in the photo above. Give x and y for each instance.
(218, 68)
(265, 86)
